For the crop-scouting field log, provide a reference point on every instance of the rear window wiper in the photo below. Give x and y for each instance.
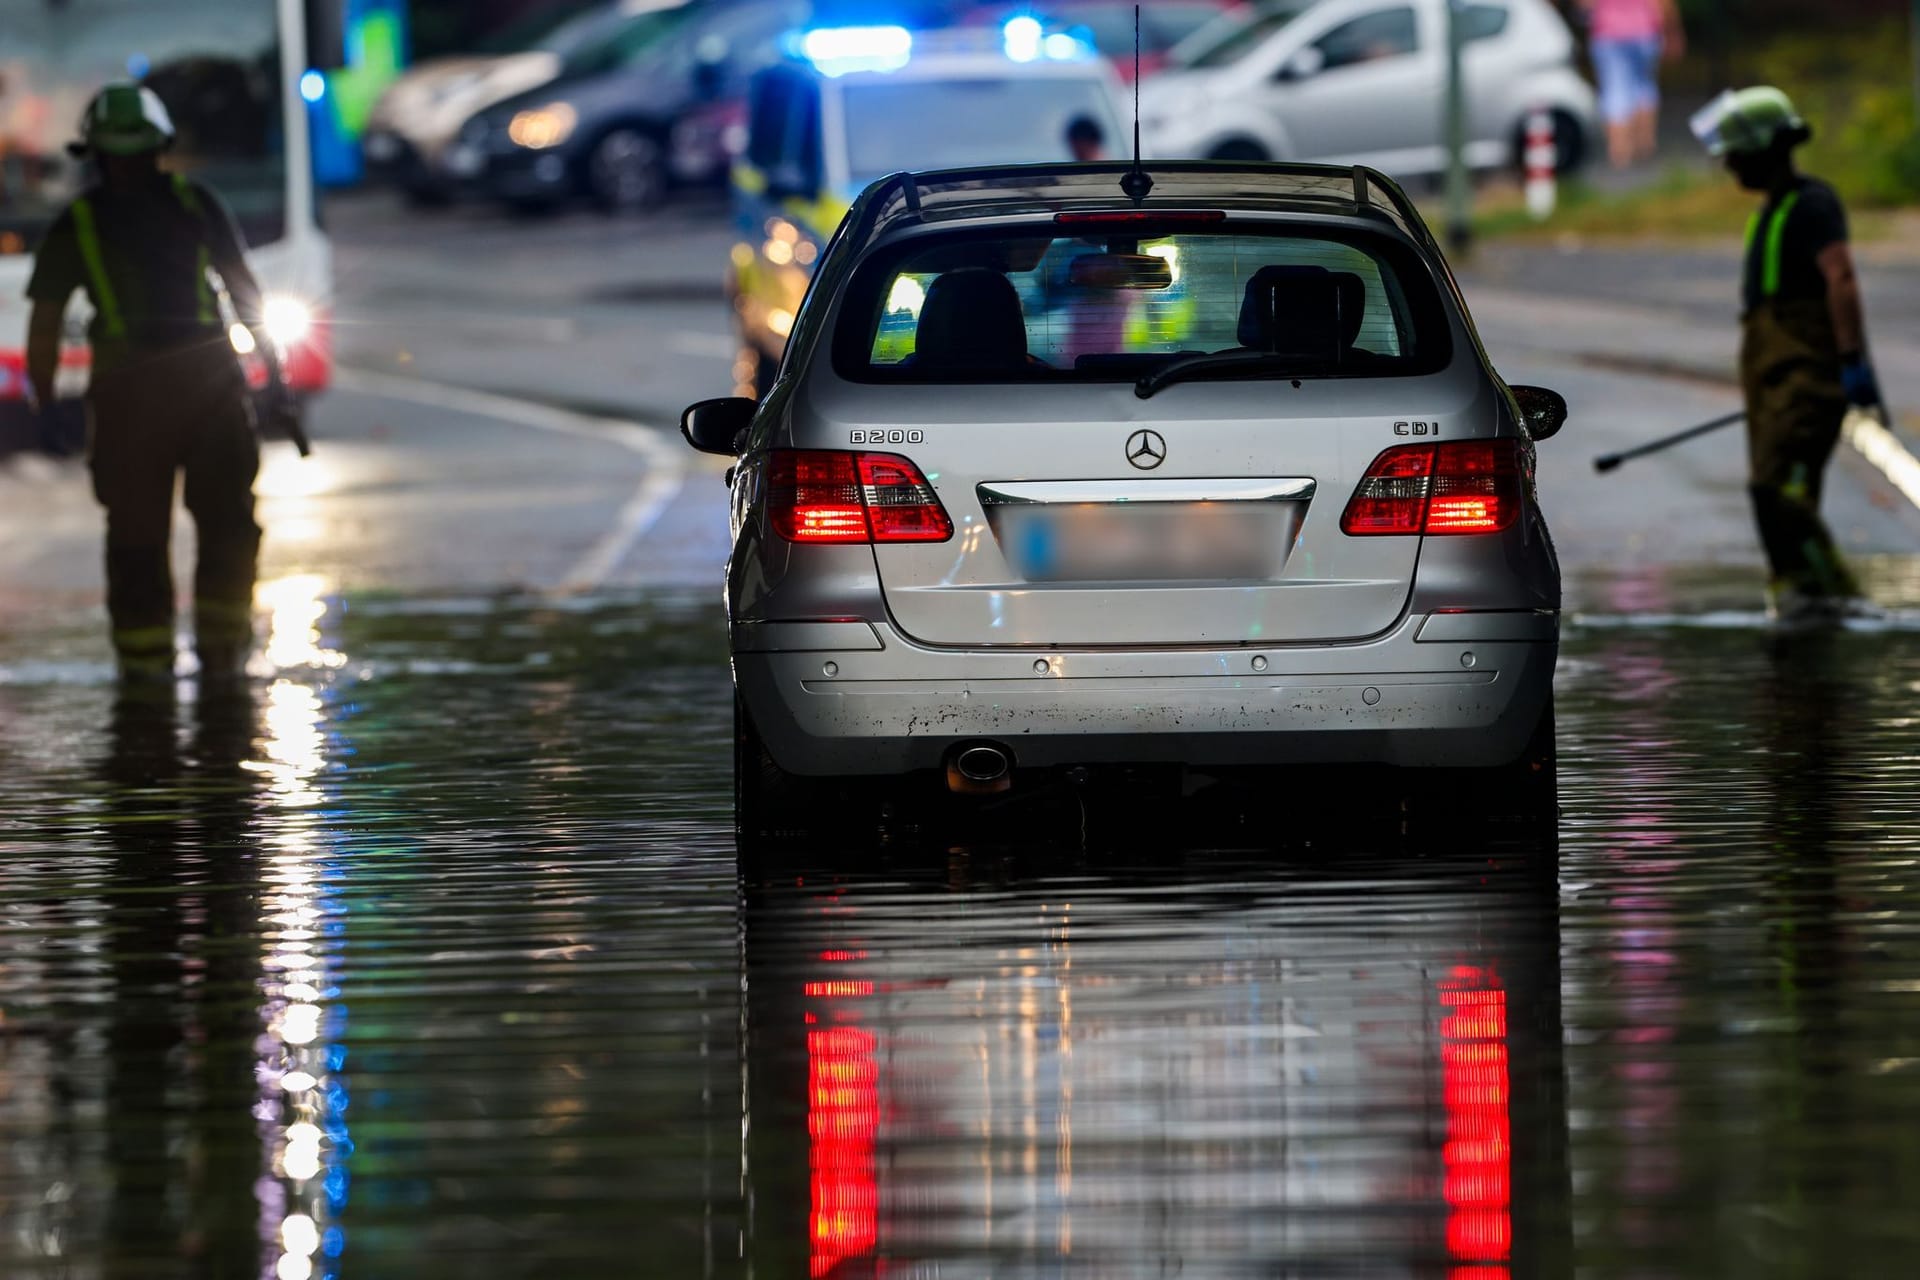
(1190, 365)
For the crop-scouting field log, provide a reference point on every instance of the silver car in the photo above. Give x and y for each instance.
(1365, 82)
(1054, 480)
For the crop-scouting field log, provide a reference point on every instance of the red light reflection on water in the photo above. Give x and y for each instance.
(1478, 1154)
(843, 1116)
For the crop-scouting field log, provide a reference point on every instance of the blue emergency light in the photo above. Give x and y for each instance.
(1023, 39)
(836, 51)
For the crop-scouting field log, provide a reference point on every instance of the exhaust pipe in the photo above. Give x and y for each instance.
(980, 768)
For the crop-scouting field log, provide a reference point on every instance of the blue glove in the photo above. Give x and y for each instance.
(1858, 383)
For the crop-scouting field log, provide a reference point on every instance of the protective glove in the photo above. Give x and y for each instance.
(1857, 382)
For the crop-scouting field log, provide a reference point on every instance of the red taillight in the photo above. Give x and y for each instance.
(814, 496)
(901, 505)
(822, 495)
(1462, 486)
(1392, 497)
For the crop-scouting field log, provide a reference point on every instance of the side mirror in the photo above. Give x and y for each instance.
(1544, 411)
(716, 426)
(1305, 64)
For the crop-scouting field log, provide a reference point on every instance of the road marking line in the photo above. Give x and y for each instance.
(1873, 441)
(666, 473)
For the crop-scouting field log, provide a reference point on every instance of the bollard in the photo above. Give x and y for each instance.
(1542, 161)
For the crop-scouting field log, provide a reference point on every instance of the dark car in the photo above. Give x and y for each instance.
(629, 118)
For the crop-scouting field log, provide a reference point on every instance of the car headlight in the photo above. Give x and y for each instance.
(286, 320)
(547, 126)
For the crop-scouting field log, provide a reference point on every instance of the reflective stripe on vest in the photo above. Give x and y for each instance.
(1775, 243)
(190, 201)
(88, 235)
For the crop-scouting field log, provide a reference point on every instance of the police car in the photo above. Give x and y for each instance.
(1198, 467)
(855, 103)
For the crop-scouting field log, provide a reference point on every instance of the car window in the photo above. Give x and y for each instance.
(1319, 305)
(1387, 33)
(1231, 37)
(896, 124)
(1482, 21)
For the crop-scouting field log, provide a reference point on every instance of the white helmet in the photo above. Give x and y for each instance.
(125, 120)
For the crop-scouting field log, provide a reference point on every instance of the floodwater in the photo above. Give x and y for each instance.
(426, 955)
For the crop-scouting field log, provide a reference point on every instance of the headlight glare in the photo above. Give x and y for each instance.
(286, 320)
(547, 126)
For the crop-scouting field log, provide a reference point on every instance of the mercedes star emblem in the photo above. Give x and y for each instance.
(1146, 449)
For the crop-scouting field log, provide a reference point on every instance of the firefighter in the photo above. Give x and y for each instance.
(167, 395)
(1803, 358)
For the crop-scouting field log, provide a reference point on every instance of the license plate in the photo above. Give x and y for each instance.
(1139, 542)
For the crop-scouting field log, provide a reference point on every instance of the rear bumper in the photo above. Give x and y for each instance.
(1460, 690)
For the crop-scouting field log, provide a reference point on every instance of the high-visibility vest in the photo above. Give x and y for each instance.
(86, 230)
(1776, 241)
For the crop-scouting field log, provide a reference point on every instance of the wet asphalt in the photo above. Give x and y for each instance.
(431, 958)
(425, 951)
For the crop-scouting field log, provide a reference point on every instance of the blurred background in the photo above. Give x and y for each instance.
(1850, 63)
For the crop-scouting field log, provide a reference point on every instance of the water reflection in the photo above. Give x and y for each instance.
(302, 1093)
(227, 1138)
(580, 1046)
(1748, 803)
(181, 1149)
(1217, 1069)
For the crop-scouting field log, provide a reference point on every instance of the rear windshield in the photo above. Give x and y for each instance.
(1017, 120)
(1118, 307)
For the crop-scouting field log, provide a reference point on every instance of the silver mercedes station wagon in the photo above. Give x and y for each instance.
(1059, 479)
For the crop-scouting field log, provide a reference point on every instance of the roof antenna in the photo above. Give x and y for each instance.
(1136, 183)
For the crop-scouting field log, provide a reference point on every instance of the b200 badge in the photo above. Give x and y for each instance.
(885, 435)
(1416, 428)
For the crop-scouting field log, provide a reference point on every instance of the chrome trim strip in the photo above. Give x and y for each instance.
(1298, 489)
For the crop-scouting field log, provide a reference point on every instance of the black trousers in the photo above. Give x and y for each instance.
(151, 420)
(1790, 372)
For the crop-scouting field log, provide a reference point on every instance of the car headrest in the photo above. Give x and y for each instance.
(1303, 311)
(971, 319)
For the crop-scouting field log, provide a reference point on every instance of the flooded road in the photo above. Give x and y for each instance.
(425, 955)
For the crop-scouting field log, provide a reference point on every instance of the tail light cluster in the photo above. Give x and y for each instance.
(1461, 486)
(832, 496)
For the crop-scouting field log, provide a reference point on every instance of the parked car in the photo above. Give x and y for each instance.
(1365, 81)
(1245, 494)
(632, 116)
(416, 119)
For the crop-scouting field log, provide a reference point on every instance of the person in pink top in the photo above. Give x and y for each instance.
(1628, 39)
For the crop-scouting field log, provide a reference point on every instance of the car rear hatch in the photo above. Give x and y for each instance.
(1209, 515)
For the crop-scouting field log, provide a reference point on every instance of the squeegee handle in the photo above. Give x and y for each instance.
(1608, 461)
